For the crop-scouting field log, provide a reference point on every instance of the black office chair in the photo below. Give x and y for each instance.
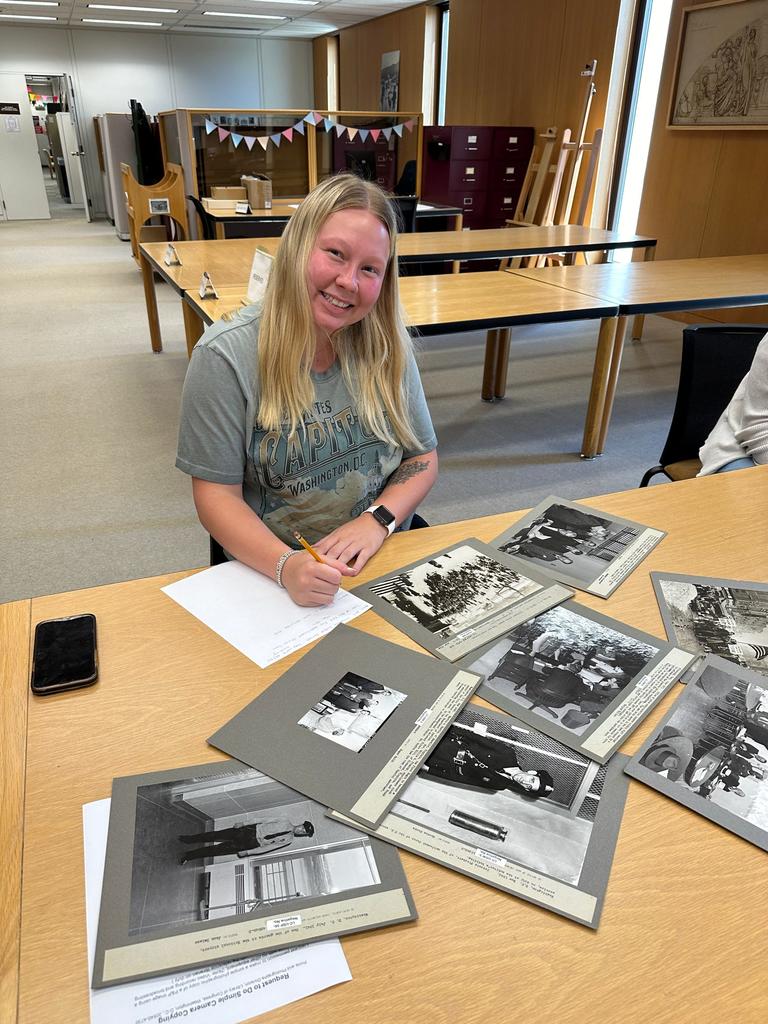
(713, 363)
(405, 211)
(406, 186)
(208, 223)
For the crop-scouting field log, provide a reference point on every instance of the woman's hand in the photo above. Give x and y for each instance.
(353, 543)
(312, 584)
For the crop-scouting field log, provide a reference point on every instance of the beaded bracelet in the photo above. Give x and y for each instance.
(281, 565)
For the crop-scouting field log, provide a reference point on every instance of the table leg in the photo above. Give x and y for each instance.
(150, 298)
(193, 326)
(637, 323)
(618, 349)
(220, 233)
(502, 362)
(14, 671)
(599, 388)
(458, 225)
(489, 367)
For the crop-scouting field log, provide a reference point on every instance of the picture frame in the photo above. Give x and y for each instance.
(717, 81)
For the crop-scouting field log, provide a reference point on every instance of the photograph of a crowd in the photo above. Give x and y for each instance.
(565, 666)
(568, 541)
(716, 616)
(498, 785)
(711, 751)
(453, 590)
(352, 710)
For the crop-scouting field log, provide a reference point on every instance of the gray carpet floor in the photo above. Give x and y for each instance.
(88, 416)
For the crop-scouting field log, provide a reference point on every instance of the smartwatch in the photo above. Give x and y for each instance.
(383, 516)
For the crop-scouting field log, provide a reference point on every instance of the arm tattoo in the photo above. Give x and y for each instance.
(407, 471)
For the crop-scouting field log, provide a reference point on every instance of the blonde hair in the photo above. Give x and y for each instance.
(373, 353)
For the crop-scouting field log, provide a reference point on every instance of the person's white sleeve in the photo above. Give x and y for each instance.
(752, 432)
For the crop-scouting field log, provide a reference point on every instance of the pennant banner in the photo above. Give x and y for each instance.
(311, 117)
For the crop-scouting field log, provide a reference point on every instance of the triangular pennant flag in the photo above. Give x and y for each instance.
(236, 139)
(317, 118)
(364, 133)
(277, 139)
(409, 125)
(340, 129)
(299, 127)
(223, 134)
(375, 133)
(327, 123)
(309, 118)
(288, 134)
(351, 132)
(262, 141)
(398, 130)
(209, 126)
(387, 133)
(249, 140)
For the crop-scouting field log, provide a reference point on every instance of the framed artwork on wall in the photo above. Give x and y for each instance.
(721, 67)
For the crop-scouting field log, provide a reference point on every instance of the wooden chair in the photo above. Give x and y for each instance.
(138, 200)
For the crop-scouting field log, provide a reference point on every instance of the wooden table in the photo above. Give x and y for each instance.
(444, 303)
(283, 209)
(476, 954)
(230, 265)
(665, 287)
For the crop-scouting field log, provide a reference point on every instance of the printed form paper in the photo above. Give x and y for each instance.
(255, 615)
(222, 994)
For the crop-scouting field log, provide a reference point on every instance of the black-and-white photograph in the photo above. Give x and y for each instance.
(501, 786)
(218, 861)
(716, 616)
(229, 845)
(584, 542)
(352, 710)
(564, 666)
(453, 590)
(711, 751)
(390, 80)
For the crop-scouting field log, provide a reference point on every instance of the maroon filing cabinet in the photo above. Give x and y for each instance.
(478, 168)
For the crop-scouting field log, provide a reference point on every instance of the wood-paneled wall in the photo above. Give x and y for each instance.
(704, 192)
(325, 60)
(360, 50)
(518, 61)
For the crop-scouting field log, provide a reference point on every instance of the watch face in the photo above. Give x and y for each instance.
(383, 516)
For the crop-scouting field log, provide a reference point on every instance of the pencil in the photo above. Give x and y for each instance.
(308, 547)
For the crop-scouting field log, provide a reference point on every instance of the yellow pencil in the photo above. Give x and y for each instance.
(308, 547)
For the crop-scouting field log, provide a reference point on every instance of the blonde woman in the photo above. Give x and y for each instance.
(307, 413)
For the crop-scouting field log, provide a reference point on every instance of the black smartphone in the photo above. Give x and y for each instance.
(64, 655)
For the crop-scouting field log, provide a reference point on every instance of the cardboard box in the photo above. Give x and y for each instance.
(233, 192)
(259, 189)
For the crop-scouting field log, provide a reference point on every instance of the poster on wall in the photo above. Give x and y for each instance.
(390, 79)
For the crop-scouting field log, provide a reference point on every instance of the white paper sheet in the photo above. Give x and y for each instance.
(222, 994)
(255, 615)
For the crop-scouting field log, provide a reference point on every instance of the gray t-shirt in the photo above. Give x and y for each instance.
(324, 476)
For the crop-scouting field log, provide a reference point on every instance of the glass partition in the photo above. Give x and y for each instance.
(222, 163)
(169, 133)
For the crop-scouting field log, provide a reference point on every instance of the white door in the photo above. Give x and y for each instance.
(76, 151)
(73, 160)
(21, 176)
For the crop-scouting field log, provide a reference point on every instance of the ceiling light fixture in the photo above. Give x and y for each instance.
(112, 21)
(121, 7)
(232, 14)
(28, 3)
(29, 17)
